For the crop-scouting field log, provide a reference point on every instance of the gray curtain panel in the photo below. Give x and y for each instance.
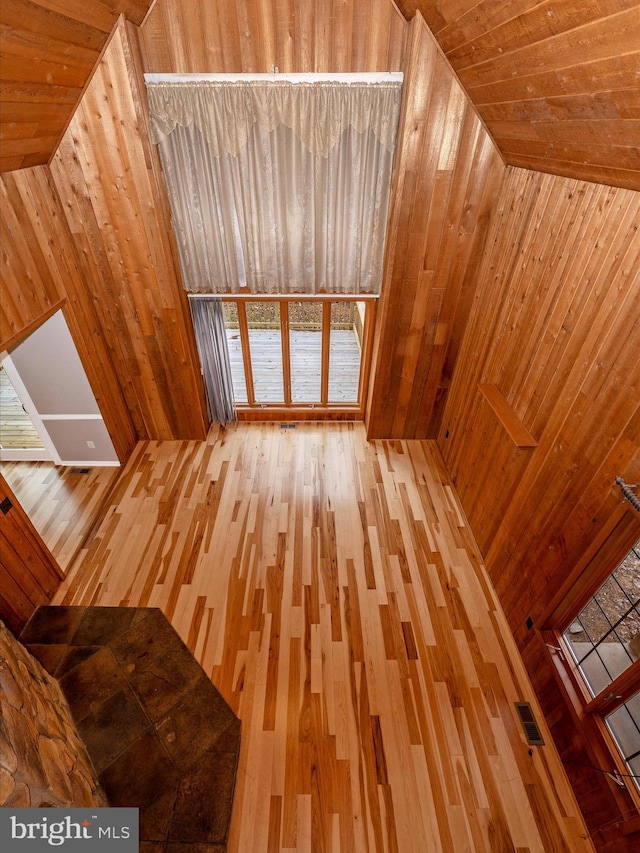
(211, 338)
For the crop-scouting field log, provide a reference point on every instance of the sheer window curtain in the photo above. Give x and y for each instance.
(211, 339)
(278, 188)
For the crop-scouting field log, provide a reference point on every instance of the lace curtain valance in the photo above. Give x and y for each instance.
(224, 113)
(277, 187)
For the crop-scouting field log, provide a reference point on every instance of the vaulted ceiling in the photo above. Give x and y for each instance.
(557, 82)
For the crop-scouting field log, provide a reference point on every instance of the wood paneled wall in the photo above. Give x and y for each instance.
(39, 273)
(94, 228)
(49, 49)
(29, 575)
(556, 81)
(106, 179)
(556, 328)
(209, 36)
(447, 179)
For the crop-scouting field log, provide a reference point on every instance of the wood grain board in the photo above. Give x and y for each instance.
(555, 82)
(563, 348)
(214, 36)
(106, 177)
(29, 573)
(446, 185)
(332, 590)
(40, 274)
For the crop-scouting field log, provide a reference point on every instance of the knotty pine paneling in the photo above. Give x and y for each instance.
(293, 35)
(556, 82)
(32, 286)
(29, 574)
(331, 588)
(49, 49)
(447, 179)
(104, 174)
(40, 272)
(556, 327)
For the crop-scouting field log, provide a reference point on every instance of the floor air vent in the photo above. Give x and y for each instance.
(288, 426)
(80, 470)
(529, 725)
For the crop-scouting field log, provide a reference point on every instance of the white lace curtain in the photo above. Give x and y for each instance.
(277, 187)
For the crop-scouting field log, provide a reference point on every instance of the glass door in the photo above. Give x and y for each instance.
(299, 353)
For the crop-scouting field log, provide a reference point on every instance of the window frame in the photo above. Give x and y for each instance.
(608, 550)
(319, 410)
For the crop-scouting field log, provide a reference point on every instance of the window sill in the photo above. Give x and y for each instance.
(631, 826)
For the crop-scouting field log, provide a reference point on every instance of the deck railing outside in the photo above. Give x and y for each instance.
(302, 315)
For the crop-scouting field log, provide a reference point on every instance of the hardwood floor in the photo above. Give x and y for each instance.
(332, 590)
(61, 502)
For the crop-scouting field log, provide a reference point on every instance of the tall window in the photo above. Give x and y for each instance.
(278, 185)
(604, 640)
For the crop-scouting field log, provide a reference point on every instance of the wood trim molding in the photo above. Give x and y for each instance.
(617, 693)
(34, 324)
(278, 412)
(326, 348)
(29, 573)
(514, 427)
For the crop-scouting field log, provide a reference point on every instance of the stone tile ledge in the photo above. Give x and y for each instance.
(158, 732)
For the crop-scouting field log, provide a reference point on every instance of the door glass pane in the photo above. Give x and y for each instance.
(347, 322)
(628, 573)
(624, 725)
(230, 312)
(613, 600)
(265, 343)
(16, 428)
(305, 346)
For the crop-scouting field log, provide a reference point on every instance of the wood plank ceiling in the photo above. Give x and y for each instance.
(557, 82)
(48, 50)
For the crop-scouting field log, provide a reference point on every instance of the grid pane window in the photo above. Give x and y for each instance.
(265, 343)
(605, 641)
(624, 725)
(605, 637)
(234, 344)
(296, 353)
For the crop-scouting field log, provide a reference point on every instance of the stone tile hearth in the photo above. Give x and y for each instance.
(158, 732)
